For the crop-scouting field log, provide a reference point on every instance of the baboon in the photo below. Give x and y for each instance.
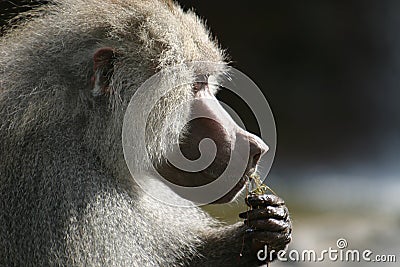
(66, 194)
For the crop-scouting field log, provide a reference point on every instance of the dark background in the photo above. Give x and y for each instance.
(330, 71)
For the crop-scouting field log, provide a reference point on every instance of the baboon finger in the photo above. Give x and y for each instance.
(280, 212)
(271, 225)
(255, 201)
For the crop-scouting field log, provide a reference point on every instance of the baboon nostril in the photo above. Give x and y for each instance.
(256, 158)
(257, 150)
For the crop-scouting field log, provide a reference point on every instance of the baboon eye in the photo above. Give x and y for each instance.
(200, 82)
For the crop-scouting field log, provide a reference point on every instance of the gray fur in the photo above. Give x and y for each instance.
(66, 195)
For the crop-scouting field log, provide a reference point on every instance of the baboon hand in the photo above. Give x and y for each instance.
(268, 224)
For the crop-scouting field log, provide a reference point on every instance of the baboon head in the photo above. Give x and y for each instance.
(189, 139)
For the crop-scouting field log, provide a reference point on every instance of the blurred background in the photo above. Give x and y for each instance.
(331, 73)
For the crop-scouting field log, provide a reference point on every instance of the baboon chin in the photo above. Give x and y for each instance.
(67, 195)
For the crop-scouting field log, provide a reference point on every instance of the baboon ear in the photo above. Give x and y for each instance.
(103, 67)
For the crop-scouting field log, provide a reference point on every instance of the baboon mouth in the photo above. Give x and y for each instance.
(228, 197)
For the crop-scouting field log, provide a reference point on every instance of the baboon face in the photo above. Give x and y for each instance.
(210, 144)
(213, 144)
